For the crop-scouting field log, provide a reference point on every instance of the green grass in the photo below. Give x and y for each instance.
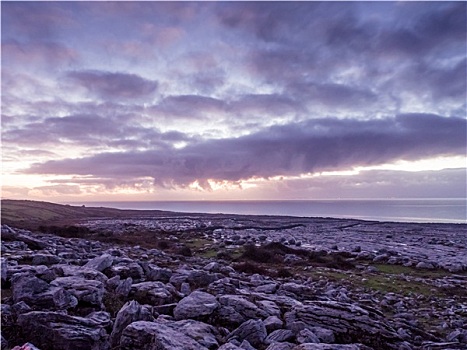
(411, 271)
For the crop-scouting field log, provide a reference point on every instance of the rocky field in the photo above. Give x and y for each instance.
(196, 281)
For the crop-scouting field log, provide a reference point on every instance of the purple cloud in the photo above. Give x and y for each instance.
(107, 85)
(315, 145)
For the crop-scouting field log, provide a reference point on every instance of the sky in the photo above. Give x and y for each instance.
(233, 100)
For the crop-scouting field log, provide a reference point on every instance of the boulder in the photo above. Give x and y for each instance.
(279, 336)
(123, 288)
(9, 234)
(196, 305)
(39, 294)
(253, 331)
(244, 307)
(4, 269)
(153, 293)
(86, 291)
(355, 323)
(79, 271)
(45, 259)
(313, 346)
(125, 270)
(144, 335)
(131, 312)
(58, 331)
(202, 333)
(100, 263)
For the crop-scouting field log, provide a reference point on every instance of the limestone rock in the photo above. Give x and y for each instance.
(312, 346)
(88, 291)
(100, 263)
(252, 330)
(144, 335)
(124, 287)
(244, 307)
(38, 293)
(153, 293)
(280, 335)
(195, 305)
(57, 331)
(132, 311)
(355, 323)
(202, 333)
(4, 269)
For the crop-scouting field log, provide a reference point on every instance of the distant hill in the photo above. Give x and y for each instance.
(31, 214)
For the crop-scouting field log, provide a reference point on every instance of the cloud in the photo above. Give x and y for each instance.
(447, 183)
(293, 149)
(33, 54)
(33, 20)
(91, 131)
(188, 106)
(108, 85)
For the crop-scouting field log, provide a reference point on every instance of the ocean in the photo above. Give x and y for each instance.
(396, 210)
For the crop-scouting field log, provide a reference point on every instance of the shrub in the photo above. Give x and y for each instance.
(284, 273)
(248, 267)
(185, 251)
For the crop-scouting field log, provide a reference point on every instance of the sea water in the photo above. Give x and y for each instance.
(398, 210)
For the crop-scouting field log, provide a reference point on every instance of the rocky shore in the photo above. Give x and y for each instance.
(234, 282)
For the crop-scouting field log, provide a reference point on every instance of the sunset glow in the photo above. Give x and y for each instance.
(233, 100)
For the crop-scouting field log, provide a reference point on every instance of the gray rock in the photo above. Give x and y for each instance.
(9, 234)
(307, 336)
(312, 346)
(3, 342)
(324, 335)
(229, 346)
(425, 265)
(39, 294)
(196, 305)
(202, 333)
(273, 323)
(153, 293)
(269, 307)
(100, 263)
(267, 288)
(355, 323)
(244, 307)
(80, 271)
(124, 287)
(125, 270)
(4, 269)
(281, 346)
(158, 274)
(88, 291)
(57, 331)
(252, 330)
(131, 312)
(246, 345)
(280, 335)
(144, 335)
(45, 259)
(200, 279)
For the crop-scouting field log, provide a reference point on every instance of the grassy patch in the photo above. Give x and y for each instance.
(388, 284)
(411, 271)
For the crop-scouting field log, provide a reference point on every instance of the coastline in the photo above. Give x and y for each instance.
(383, 210)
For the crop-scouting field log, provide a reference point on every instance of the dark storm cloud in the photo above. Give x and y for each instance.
(316, 145)
(108, 85)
